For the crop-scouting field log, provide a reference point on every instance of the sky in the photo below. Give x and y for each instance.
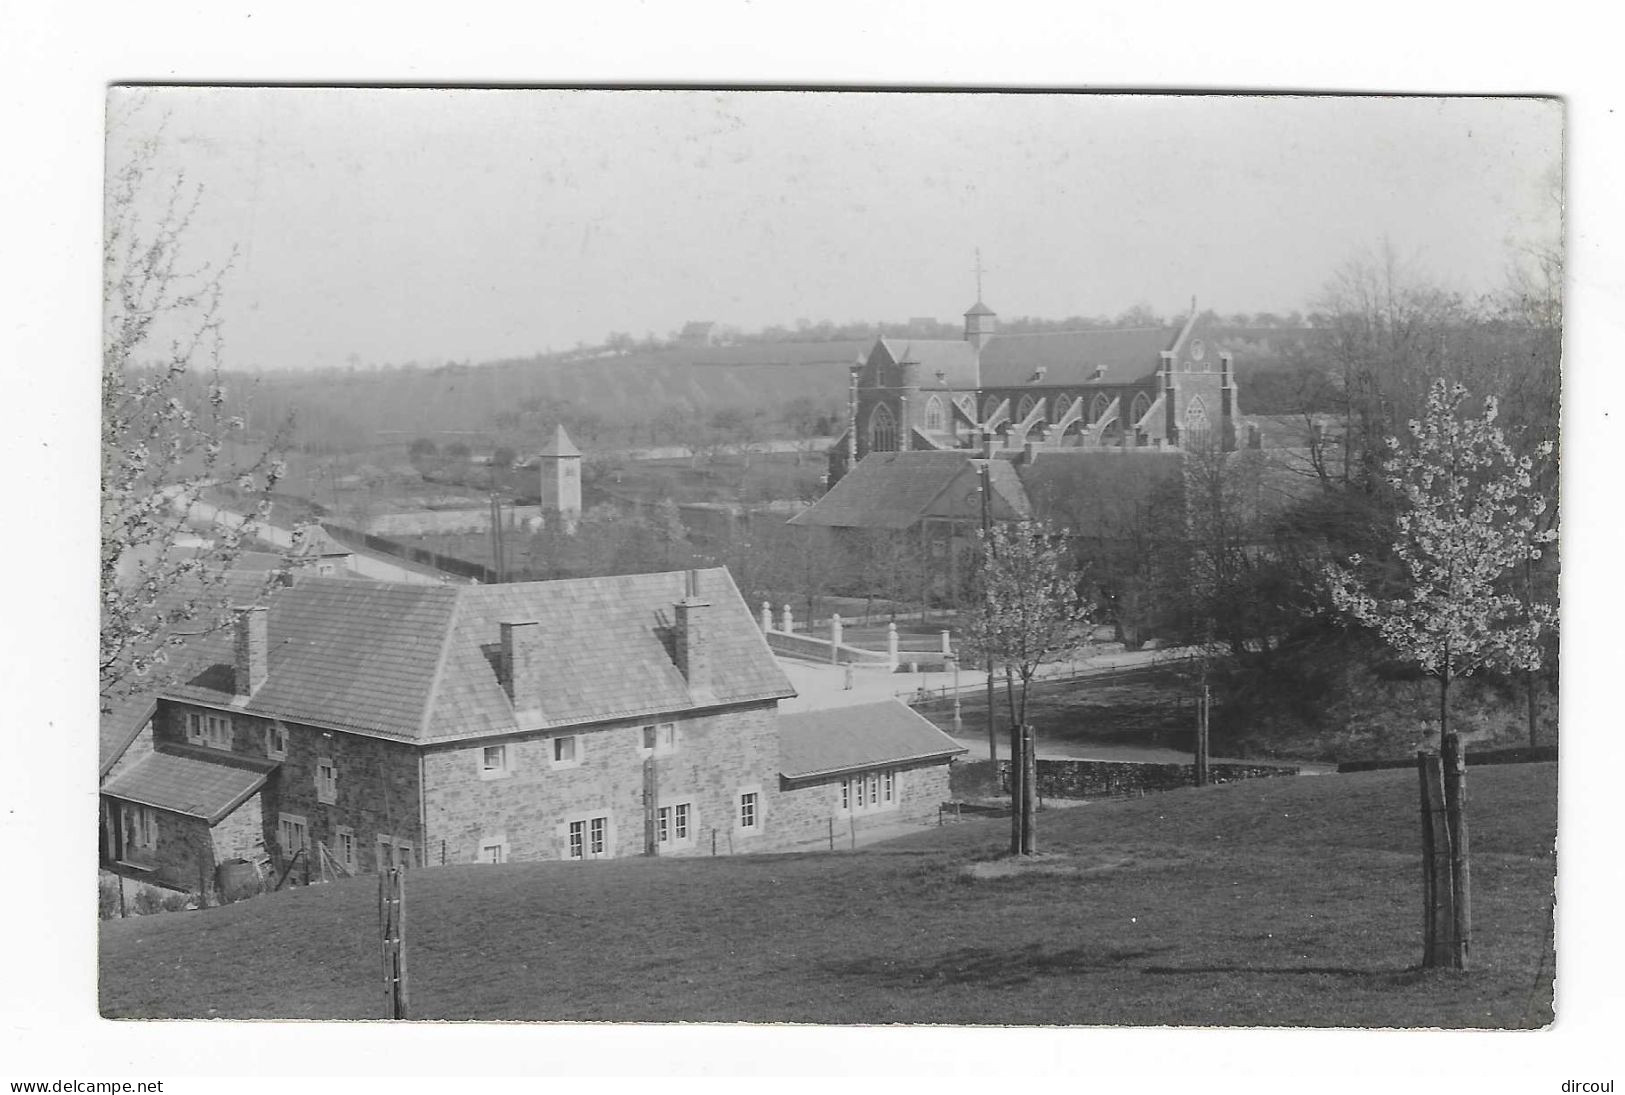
(378, 225)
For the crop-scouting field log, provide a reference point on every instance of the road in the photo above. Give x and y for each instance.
(369, 566)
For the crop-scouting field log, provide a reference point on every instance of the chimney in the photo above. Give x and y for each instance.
(693, 648)
(521, 669)
(252, 650)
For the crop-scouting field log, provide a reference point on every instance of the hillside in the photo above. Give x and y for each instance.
(1278, 902)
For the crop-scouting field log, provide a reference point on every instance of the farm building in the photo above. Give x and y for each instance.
(363, 725)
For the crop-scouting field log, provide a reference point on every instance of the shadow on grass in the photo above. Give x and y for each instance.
(992, 967)
(1399, 977)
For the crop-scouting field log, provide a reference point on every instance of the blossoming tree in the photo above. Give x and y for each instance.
(1468, 518)
(165, 419)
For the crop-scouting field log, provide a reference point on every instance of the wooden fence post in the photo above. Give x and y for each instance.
(1018, 770)
(1029, 791)
(392, 936)
(1203, 706)
(1455, 807)
(1428, 897)
(1439, 940)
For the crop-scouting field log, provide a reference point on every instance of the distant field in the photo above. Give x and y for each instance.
(1275, 902)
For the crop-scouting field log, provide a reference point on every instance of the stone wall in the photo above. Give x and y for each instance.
(807, 810)
(239, 834)
(377, 785)
(718, 756)
(1095, 779)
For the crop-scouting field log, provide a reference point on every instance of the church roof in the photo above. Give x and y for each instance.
(954, 358)
(980, 309)
(561, 445)
(894, 490)
(1072, 357)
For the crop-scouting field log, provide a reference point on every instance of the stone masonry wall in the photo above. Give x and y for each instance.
(377, 786)
(718, 756)
(1092, 779)
(806, 812)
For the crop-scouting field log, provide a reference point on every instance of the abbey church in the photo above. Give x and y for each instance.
(1138, 388)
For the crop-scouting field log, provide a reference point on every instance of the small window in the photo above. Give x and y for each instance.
(672, 824)
(291, 834)
(494, 852)
(747, 810)
(846, 794)
(566, 751)
(194, 727)
(217, 731)
(276, 741)
(597, 831)
(660, 740)
(577, 834)
(494, 762)
(344, 845)
(327, 781)
(888, 785)
(140, 831)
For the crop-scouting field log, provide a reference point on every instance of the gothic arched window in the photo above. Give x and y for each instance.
(882, 430)
(1198, 430)
(1098, 407)
(1025, 407)
(990, 406)
(934, 419)
(1142, 404)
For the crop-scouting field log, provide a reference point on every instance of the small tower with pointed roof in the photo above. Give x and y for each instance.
(980, 320)
(560, 466)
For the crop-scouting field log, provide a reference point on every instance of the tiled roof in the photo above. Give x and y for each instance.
(979, 309)
(954, 358)
(831, 740)
(187, 782)
(419, 662)
(1071, 357)
(895, 489)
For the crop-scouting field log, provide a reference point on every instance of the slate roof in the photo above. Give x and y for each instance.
(419, 663)
(129, 709)
(188, 782)
(893, 490)
(1070, 357)
(561, 445)
(831, 740)
(953, 357)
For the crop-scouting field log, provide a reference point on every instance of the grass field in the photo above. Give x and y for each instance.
(1282, 902)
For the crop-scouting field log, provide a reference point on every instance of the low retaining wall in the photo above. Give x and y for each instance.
(812, 648)
(1096, 779)
(1521, 755)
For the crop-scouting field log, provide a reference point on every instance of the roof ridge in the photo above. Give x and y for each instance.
(450, 629)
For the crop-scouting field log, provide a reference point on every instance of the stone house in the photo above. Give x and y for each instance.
(367, 725)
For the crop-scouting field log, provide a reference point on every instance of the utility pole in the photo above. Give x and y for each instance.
(986, 468)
